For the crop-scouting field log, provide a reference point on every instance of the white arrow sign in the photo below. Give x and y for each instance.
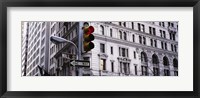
(80, 63)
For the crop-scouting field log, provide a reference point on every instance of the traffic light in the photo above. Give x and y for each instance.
(88, 37)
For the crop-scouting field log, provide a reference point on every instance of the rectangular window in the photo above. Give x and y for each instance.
(112, 66)
(144, 70)
(154, 31)
(135, 69)
(102, 48)
(156, 71)
(103, 64)
(161, 33)
(166, 72)
(143, 28)
(164, 35)
(150, 32)
(132, 25)
(155, 43)
(166, 46)
(133, 38)
(163, 24)
(110, 32)
(111, 50)
(123, 52)
(172, 49)
(139, 28)
(134, 53)
(175, 73)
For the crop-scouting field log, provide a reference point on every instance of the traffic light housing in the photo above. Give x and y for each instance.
(88, 37)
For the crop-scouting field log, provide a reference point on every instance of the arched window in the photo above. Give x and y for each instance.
(165, 61)
(102, 30)
(175, 63)
(155, 59)
(125, 36)
(143, 57)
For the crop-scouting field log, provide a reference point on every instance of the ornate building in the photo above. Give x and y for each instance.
(121, 49)
(135, 48)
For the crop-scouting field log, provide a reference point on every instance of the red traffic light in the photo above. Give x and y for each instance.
(88, 30)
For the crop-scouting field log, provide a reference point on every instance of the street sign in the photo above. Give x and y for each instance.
(80, 63)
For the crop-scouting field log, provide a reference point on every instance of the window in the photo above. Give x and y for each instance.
(123, 52)
(164, 35)
(102, 30)
(142, 28)
(120, 23)
(134, 53)
(159, 23)
(103, 64)
(172, 47)
(112, 66)
(155, 43)
(124, 24)
(174, 38)
(163, 24)
(132, 25)
(102, 48)
(139, 27)
(156, 71)
(111, 50)
(125, 36)
(162, 45)
(175, 49)
(170, 35)
(165, 61)
(120, 34)
(133, 38)
(110, 32)
(166, 72)
(175, 63)
(135, 69)
(140, 39)
(150, 30)
(143, 57)
(151, 42)
(161, 33)
(165, 46)
(144, 70)
(154, 31)
(144, 40)
(124, 68)
(155, 59)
